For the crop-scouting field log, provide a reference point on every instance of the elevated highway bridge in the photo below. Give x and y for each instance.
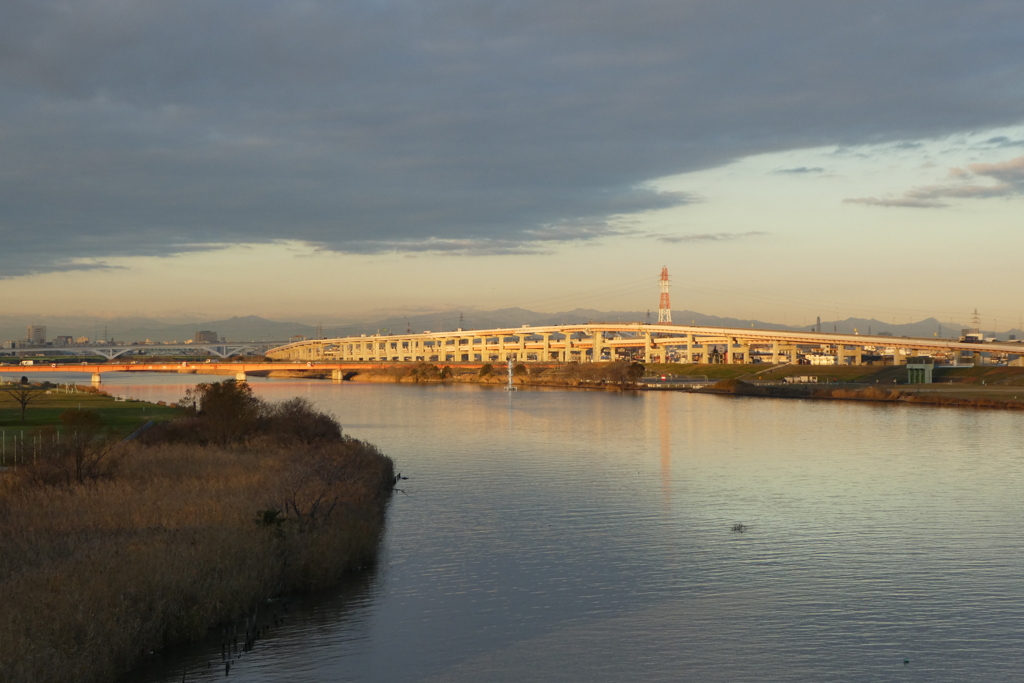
(609, 341)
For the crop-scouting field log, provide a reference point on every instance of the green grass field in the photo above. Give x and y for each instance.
(117, 416)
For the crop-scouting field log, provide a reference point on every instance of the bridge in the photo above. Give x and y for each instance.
(607, 341)
(112, 351)
(239, 370)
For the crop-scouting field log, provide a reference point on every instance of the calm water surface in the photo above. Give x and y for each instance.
(577, 536)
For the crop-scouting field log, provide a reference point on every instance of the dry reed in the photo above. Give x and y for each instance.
(94, 576)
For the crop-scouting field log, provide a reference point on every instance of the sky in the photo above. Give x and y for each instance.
(324, 160)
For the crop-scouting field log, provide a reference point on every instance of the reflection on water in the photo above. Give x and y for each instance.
(552, 536)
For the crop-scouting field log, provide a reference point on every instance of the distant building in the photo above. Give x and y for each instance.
(63, 340)
(82, 340)
(206, 337)
(36, 335)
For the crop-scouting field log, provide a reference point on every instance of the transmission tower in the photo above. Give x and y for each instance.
(664, 307)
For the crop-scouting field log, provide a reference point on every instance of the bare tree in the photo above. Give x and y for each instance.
(82, 452)
(23, 395)
(325, 478)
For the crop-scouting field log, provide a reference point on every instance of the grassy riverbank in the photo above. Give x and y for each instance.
(925, 394)
(126, 415)
(195, 526)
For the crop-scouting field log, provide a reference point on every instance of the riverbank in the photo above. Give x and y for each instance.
(943, 395)
(982, 386)
(194, 527)
(614, 376)
(116, 412)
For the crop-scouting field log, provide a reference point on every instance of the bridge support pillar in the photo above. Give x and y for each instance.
(96, 379)
(690, 341)
(745, 350)
(840, 354)
(647, 347)
(240, 376)
(858, 355)
(775, 353)
(596, 346)
(337, 375)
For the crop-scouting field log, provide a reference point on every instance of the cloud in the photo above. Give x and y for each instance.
(1003, 141)
(1009, 174)
(138, 128)
(799, 170)
(1011, 171)
(536, 241)
(908, 202)
(55, 266)
(708, 236)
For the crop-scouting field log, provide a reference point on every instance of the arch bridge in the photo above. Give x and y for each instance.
(112, 351)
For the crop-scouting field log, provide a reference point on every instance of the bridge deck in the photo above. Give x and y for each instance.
(588, 341)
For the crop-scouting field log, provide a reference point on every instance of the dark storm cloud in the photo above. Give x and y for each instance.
(136, 127)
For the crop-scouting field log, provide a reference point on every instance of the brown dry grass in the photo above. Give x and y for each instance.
(94, 576)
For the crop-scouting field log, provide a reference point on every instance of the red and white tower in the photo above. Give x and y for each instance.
(664, 308)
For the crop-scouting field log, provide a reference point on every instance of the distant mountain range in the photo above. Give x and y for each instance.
(254, 328)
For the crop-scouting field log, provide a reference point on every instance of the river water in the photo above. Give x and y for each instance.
(588, 536)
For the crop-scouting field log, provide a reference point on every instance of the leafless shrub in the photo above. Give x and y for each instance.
(297, 421)
(226, 414)
(75, 459)
(325, 477)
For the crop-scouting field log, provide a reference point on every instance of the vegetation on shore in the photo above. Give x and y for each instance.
(191, 525)
(612, 375)
(881, 393)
